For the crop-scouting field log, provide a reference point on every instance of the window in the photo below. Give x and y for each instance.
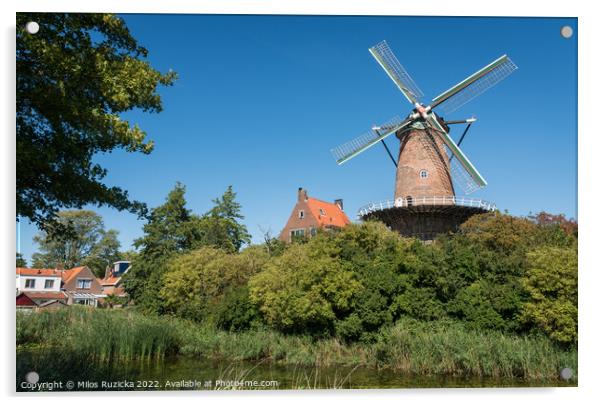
(297, 233)
(410, 200)
(322, 212)
(30, 283)
(424, 174)
(84, 301)
(48, 284)
(301, 214)
(313, 231)
(84, 283)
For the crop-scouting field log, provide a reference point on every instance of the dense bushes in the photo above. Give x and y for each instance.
(207, 283)
(499, 272)
(551, 282)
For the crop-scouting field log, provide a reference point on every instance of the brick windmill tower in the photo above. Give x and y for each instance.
(430, 166)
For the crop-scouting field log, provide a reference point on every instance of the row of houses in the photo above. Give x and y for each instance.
(50, 288)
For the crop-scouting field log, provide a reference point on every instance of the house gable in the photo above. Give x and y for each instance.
(310, 214)
(81, 279)
(23, 300)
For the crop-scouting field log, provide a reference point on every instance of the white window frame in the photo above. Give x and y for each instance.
(83, 282)
(297, 232)
(301, 214)
(322, 212)
(424, 174)
(46, 286)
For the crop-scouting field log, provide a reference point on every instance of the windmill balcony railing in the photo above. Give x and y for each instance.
(405, 202)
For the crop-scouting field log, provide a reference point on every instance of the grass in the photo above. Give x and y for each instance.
(99, 334)
(410, 346)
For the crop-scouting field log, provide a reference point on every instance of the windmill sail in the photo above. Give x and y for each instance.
(356, 146)
(462, 170)
(475, 85)
(387, 60)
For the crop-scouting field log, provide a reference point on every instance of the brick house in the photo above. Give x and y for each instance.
(81, 286)
(111, 283)
(73, 286)
(311, 214)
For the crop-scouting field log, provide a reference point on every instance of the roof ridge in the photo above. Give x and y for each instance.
(325, 202)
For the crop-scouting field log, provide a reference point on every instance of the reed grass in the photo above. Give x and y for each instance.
(410, 346)
(99, 334)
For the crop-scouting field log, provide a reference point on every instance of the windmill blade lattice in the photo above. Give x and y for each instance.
(460, 177)
(356, 146)
(462, 171)
(475, 85)
(446, 166)
(388, 61)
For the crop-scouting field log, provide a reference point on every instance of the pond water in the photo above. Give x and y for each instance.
(60, 372)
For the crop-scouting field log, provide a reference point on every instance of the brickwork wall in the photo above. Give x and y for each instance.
(420, 151)
(294, 222)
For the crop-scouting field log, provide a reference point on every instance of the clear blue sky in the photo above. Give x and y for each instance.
(260, 101)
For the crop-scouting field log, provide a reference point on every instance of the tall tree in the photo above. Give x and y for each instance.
(88, 243)
(21, 262)
(226, 218)
(104, 252)
(171, 229)
(74, 79)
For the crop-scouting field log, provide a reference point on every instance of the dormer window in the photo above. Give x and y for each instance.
(301, 214)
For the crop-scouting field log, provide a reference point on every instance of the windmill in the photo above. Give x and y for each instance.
(430, 165)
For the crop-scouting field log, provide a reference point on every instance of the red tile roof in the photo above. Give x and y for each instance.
(69, 274)
(39, 272)
(46, 295)
(330, 214)
(111, 280)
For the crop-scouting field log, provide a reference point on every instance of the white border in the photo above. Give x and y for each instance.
(589, 32)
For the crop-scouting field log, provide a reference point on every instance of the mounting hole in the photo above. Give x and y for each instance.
(566, 373)
(32, 27)
(566, 31)
(32, 377)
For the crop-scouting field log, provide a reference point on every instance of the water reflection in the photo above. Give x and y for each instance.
(187, 373)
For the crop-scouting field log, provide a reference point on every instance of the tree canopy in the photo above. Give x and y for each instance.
(499, 272)
(75, 78)
(171, 230)
(86, 244)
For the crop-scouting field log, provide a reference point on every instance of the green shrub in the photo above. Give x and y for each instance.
(235, 311)
(551, 282)
(304, 288)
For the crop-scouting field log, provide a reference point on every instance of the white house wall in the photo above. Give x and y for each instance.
(40, 283)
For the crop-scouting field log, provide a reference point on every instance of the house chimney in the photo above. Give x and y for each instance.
(339, 202)
(302, 194)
